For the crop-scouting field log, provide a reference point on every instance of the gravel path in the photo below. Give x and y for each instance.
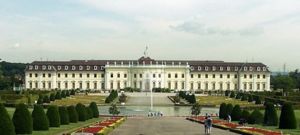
(143, 98)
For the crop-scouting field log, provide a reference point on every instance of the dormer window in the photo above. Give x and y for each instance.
(228, 68)
(66, 67)
(88, 67)
(221, 68)
(80, 67)
(30, 67)
(245, 68)
(250, 68)
(192, 68)
(258, 68)
(36, 67)
(264, 68)
(73, 67)
(59, 67)
(95, 67)
(49, 67)
(102, 67)
(213, 68)
(206, 68)
(199, 68)
(44, 67)
(236, 68)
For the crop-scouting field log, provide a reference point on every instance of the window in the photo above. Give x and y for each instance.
(236, 68)
(250, 76)
(258, 86)
(73, 67)
(88, 75)
(66, 85)
(176, 75)
(258, 68)
(80, 67)
(221, 86)
(264, 86)
(87, 85)
(44, 75)
(214, 86)
(213, 68)
(176, 85)
(228, 68)
(95, 75)
(169, 85)
(30, 75)
(258, 76)
(169, 75)
(80, 75)
(199, 68)
(182, 75)
(221, 75)
(228, 86)
(245, 76)
(192, 75)
(36, 67)
(111, 75)
(111, 85)
(36, 75)
(118, 75)
(49, 75)
(213, 76)
(125, 75)
(30, 67)
(228, 76)
(264, 76)
(182, 85)
(250, 68)
(73, 75)
(206, 86)
(88, 67)
(153, 75)
(245, 68)
(206, 75)
(30, 85)
(59, 67)
(245, 86)
(102, 85)
(49, 67)
(66, 75)
(134, 75)
(66, 67)
(250, 86)
(95, 84)
(235, 76)
(80, 85)
(102, 75)
(206, 68)
(141, 75)
(221, 68)
(118, 85)
(192, 85)
(44, 67)
(134, 85)
(264, 68)
(153, 85)
(199, 75)
(44, 85)
(58, 75)
(49, 85)
(58, 85)
(95, 68)
(199, 85)
(159, 75)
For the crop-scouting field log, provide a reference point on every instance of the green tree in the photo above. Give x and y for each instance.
(284, 82)
(58, 95)
(236, 113)
(46, 99)
(89, 112)
(40, 120)
(232, 95)
(287, 117)
(53, 116)
(52, 97)
(40, 99)
(222, 111)
(257, 100)
(95, 110)
(245, 114)
(73, 116)
(64, 116)
(22, 120)
(113, 109)
(63, 94)
(256, 117)
(81, 111)
(250, 98)
(270, 117)
(196, 109)
(229, 108)
(6, 125)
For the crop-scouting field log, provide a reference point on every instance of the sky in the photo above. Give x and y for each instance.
(266, 31)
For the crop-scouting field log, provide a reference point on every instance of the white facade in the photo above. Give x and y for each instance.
(147, 74)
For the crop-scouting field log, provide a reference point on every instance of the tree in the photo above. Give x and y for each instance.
(296, 76)
(284, 82)
(46, 99)
(95, 110)
(40, 120)
(6, 125)
(227, 92)
(257, 100)
(287, 117)
(196, 109)
(256, 117)
(113, 109)
(236, 113)
(232, 95)
(81, 111)
(229, 108)
(67, 93)
(22, 120)
(64, 116)
(222, 111)
(89, 112)
(53, 116)
(63, 94)
(244, 97)
(122, 98)
(52, 97)
(58, 95)
(73, 116)
(40, 99)
(250, 98)
(245, 114)
(270, 117)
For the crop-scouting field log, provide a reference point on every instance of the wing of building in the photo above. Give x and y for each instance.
(146, 73)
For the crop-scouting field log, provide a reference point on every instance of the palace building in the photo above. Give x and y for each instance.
(146, 73)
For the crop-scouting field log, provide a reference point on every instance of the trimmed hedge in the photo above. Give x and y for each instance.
(287, 117)
(256, 117)
(46, 99)
(58, 95)
(95, 110)
(73, 115)
(22, 120)
(270, 117)
(229, 108)
(52, 97)
(40, 100)
(236, 113)
(232, 95)
(222, 111)
(39, 118)
(245, 114)
(112, 96)
(53, 116)
(89, 112)
(64, 116)
(81, 111)
(6, 125)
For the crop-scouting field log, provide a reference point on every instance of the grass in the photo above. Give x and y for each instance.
(62, 129)
(84, 99)
(217, 100)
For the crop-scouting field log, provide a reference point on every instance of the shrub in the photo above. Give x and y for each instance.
(58, 95)
(238, 96)
(196, 109)
(53, 116)
(73, 92)
(40, 99)
(89, 112)
(22, 120)
(227, 93)
(46, 99)
(112, 96)
(256, 117)
(287, 117)
(229, 108)
(232, 95)
(52, 97)
(64, 116)
(222, 111)
(95, 110)
(113, 109)
(270, 117)
(250, 98)
(81, 111)
(67, 93)
(244, 97)
(245, 114)
(257, 100)
(63, 94)
(39, 118)
(6, 125)
(73, 116)
(236, 113)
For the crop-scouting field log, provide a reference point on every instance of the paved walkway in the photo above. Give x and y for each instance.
(143, 98)
(163, 126)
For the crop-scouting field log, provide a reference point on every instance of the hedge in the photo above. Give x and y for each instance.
(58, 95)
(52, 97)
(46, 99)
(95, 110)
(236, 113)
(232, 95)
(22, 120)
(111, 97)
(270, 117)
(245, 114)
(73, 115)
(222, 111)
(53, 116)
(81, 111)
(39, 118)
(287, 117)
(256, 117)
(64, 116)
(229, 108)
(6, 125)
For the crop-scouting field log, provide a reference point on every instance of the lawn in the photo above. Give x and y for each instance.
(84, 99)
(217, 100)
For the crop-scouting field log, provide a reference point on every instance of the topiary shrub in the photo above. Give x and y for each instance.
(40, 99)
(236, 113)
(287, 117)
(95, 110)
(53, 116)
(232, 95)
(256, 117)
(81, 111)
(73, 116)
(245, 114)
(89, 112)
(222, 111)
(22, 120)
(6, 125)
(244, 97)
(58, 95)
(63, 94)
(227, 92)
(270, 117)
(229, 108)
(46, 99)
(64, 116)
(250, 98)
(73, 92)
(39, 118)
(257, 100)
(52, 97)
(67, 93)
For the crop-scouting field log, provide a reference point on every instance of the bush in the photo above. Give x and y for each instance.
(53, 116)
(52, 97)
(40, 100)
(89, 112)
(46, 99)
(257, 100)
(287, 117)
(63, 94)
(250, 98)
(73, 92)
(22, 120)
(236, 113)
(6, 125)
(111, 97)
(270, 117)
(81, 111)
(232, 95)
(39, 118)
(67, 93)
(227, 93)
(256, 117)
(222, 111)
(58, 95)
(95, 110)
(245, 115)
(229, 108)
(73, 116)
(63, 115)
(244, 97)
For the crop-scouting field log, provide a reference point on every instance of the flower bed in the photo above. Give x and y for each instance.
(101, 128)
(234, 127)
